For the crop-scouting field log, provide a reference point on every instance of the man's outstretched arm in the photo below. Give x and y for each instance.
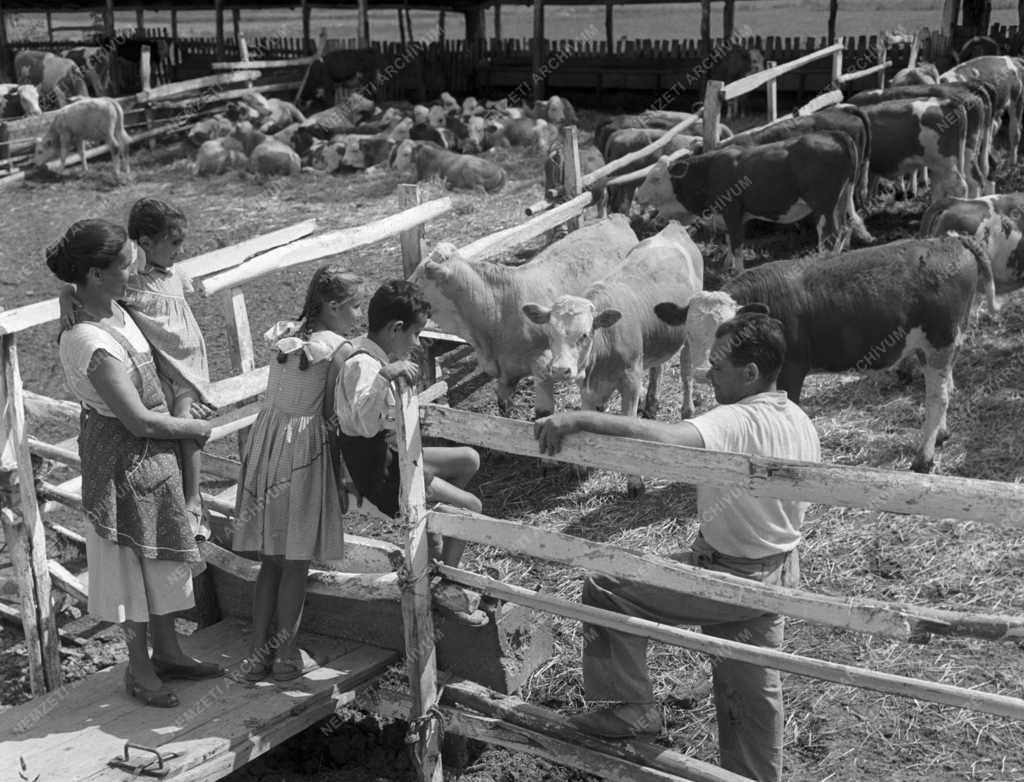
(551, 430)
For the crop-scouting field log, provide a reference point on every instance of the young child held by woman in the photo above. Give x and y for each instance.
(288, 506)
(155, 298)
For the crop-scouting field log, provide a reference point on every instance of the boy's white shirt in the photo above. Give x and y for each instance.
(364, 402)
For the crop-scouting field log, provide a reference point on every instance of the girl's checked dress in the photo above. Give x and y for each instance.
(288, 502)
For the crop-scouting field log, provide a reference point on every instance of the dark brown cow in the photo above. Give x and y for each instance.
(862, 310)
(351, 68)
(781, 182)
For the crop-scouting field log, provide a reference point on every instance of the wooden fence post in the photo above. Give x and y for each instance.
(712, 112)
(243, 55)
(837, 64)
(243, 358)
(26, 539)
(773, 94)
(146, 84)
(572, 174)
(411, 241)
(915, 49)
(883, 53)
(176, 58)
(417, 621)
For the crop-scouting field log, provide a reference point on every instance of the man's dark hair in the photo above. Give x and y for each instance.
(755, 338)
(397, 300)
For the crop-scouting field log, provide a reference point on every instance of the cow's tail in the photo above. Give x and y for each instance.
(119, 132)
(931, 216)
(865, 155)
(961, 150)
(844, 217)
(984, 261)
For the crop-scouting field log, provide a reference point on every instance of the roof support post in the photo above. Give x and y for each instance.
(705, 28)
(950, 14)
(6, 65)
(497, 20)
(108, 18)
(363, 34)
(539, 50)
(307, 42)
(609, 26)
(728, 19)
(218, 8)
(833, 11)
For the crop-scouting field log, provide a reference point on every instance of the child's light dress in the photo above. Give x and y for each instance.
(288, 503)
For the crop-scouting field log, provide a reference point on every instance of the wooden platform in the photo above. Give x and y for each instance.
(221, 724)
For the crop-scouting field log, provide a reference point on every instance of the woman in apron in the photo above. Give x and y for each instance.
(140, 547)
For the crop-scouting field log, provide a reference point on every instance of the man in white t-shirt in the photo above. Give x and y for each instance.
(739, 534)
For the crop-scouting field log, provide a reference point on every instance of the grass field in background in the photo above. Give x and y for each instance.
(659, 21)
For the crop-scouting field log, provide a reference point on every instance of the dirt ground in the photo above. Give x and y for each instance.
(832, 732)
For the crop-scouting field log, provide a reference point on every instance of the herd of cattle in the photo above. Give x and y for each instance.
(601, 308)
(271, 137)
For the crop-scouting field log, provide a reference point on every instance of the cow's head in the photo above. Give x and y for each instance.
(403, 156)
(355, 154)
(657, 192)
(569, 324)
(438, 277)
(556, 111)
(436, 116)
(47, 148)
(701, 317)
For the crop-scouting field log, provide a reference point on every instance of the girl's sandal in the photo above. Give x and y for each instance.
(293, 667)
(259, 669)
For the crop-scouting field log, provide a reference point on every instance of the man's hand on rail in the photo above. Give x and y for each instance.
(552, 429)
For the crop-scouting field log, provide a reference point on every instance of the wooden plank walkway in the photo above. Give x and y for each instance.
(220, 724)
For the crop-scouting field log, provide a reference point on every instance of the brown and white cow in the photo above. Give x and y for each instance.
(28, 96)
(460, 172)
(977, 104)
(94, 63)
(997, 221)
(861, 310)
(100, 120)
(481, 301)
(57, 78)
(219, 155)
(781, 182)
(912, 133)
(267, 156)
(605, 338)
(363, 152)
(923, 73)
(1004, 75)
(628, 140)
(657, 120)
(849, 121)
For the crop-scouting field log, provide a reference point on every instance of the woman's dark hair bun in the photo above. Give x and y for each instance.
(87, 244)
(61, 264)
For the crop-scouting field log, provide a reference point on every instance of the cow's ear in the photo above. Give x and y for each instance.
(756, 308)
(671, 313)
(606, 319)
(537, 314)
